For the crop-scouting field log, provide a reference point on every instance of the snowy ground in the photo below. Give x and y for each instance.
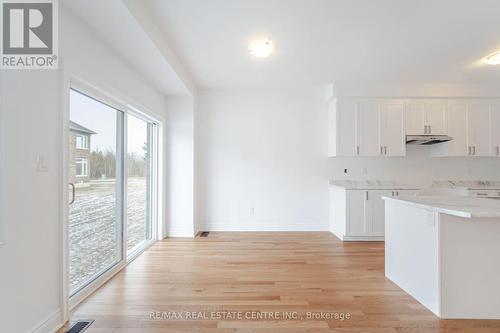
(93, 235)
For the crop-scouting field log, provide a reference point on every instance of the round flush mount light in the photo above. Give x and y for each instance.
(261, 48)
(492, 59)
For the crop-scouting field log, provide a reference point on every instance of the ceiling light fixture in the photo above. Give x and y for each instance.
(492, 59)
(261, 48)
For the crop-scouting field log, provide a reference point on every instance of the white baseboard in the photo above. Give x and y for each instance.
(236, 227)
(50, 325)
(180, 234)
(345, 238)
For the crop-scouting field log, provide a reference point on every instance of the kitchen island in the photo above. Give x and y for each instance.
(445, 252)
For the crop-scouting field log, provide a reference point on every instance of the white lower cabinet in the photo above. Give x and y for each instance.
(358, 215)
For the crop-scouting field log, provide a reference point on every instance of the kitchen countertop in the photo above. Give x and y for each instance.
(468, 184)
(372, 185)
(457, 206)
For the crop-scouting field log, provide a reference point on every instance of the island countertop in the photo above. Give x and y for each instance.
(457, 206)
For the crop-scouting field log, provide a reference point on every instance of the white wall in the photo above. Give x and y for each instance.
(30, 258)
(263, 150)
(180, 209)
(418, 167)
(267, 150)
(33, 109)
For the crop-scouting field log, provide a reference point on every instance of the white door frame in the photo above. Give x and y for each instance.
(125, 105)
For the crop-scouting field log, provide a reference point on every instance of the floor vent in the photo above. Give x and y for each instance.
(204, 234)
(80, 326)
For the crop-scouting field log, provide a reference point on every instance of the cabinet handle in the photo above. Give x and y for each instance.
(430, 129)
(498, 150)
(385, 150)
(469, 150)
(392, 193)
(397, 193)
(381, 150)
(473, 150)
(357, 150)
(366, 195)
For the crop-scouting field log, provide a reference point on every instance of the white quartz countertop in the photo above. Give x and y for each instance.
(458, 206)
(468, 184)
(371, 185)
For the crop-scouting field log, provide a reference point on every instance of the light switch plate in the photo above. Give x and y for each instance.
(41, 163)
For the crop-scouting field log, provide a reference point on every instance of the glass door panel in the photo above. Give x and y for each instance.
(140, 156)
(95, 176)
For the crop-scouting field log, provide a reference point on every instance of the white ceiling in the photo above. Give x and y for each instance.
(118, 28)
(321, 41)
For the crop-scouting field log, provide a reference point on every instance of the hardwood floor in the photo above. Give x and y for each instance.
(288, 273)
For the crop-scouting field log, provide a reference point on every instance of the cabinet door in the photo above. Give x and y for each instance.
(436, 118)
(357, 213)
(392, 129)
(378, 211)
(456, 119)
(415, 118)
(345, 128)
(478, 128)
(409, 193)
(368, 129)
(495, 129)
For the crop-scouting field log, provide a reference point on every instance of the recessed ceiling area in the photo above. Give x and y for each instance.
(114, 26)
(333, 40)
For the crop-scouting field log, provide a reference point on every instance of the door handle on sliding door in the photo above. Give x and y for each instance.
(72, 193)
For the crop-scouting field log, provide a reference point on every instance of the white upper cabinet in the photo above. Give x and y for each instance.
(342, 131)
(415, 118)
(495, 129)
(378, 126)
(456, 119)
(425, 117)
(478, 129)
(368, 129)
(436, 117)
(392, 128)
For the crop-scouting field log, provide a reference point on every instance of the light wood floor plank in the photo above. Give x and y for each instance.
(277, 272)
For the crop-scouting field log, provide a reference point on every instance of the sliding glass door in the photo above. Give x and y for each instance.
(140, 173)
(112, 187)
(96, 178)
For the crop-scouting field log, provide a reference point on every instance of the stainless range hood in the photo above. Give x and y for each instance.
(427, 139)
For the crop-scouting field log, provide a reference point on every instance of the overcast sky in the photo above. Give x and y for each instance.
(101, 118)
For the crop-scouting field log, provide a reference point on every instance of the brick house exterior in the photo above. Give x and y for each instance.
(79, 153)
